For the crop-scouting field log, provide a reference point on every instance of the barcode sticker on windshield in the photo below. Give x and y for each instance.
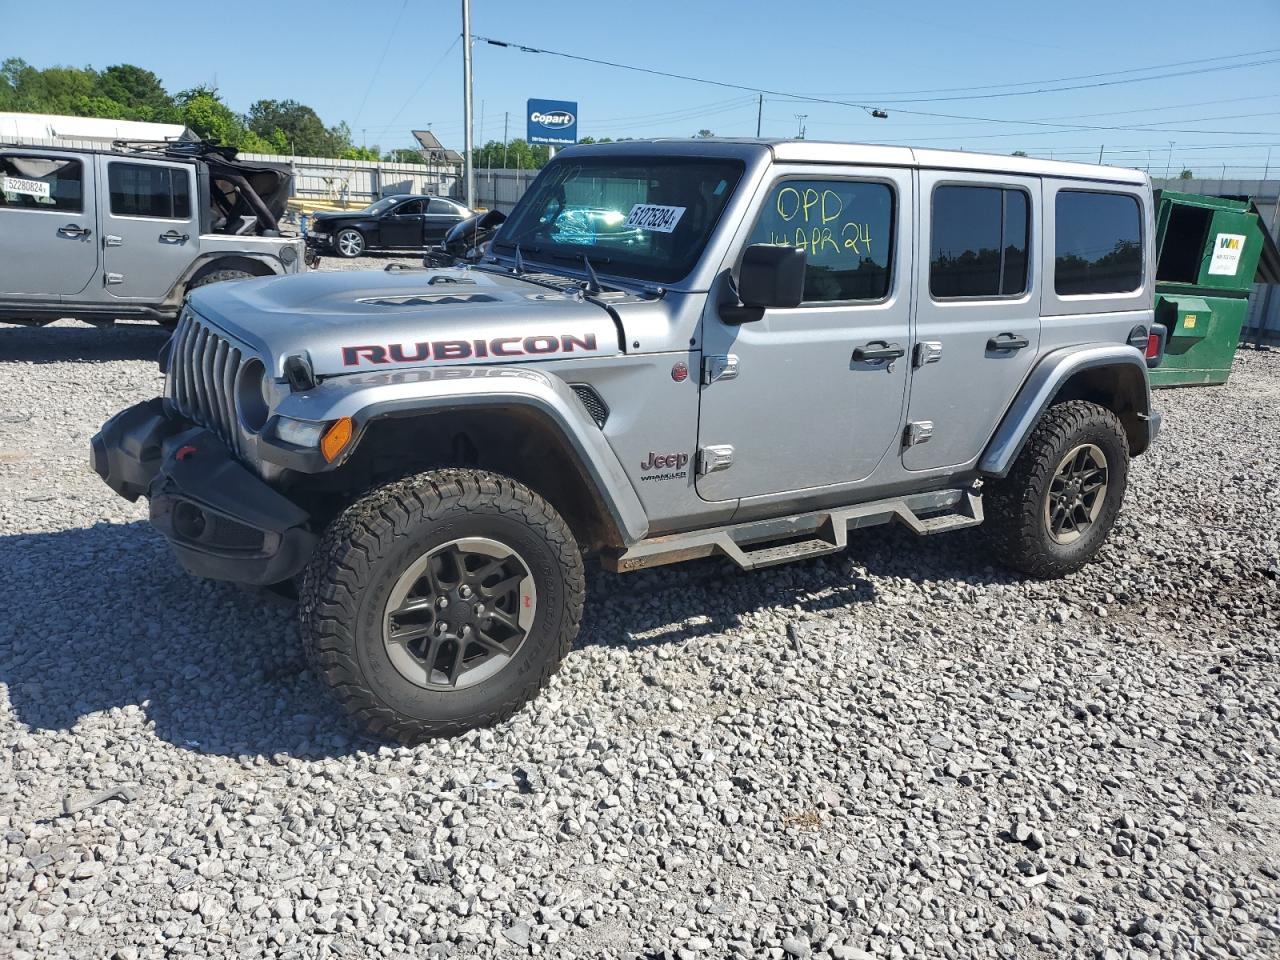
(32, 188)
(651, 216)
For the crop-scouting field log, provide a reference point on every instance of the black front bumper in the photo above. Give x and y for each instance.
(223, 521)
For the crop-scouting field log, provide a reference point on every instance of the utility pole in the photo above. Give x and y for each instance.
(1100, 149)
(1267, 168)
(506, 117)
(1168, 161)
(800, 119)
(468, 167)
(759, 113)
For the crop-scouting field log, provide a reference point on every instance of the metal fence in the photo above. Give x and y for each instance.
(498, 189)
(360, 182)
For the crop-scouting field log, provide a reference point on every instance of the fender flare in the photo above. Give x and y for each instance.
(1047, 379)
(367, 397)
(255, 263)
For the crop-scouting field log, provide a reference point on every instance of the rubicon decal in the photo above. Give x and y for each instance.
(442, 350)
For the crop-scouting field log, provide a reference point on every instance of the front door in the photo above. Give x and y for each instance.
(150, 225)
(819, 388)
(48, 225)
(402, 226)
(977, 311)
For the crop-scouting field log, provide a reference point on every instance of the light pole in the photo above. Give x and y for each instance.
(468, 168)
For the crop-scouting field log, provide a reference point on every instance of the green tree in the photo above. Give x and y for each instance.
(139, 92)
(361, 153)
(201, 109)
(296, 128)
(1018, 153)
(1186, 175)
(704, 134)
(404, 155)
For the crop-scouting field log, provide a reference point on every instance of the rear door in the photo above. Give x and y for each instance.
(441, 217)
(150, 225)
(977, 311)
(48, 224)
(402, 226)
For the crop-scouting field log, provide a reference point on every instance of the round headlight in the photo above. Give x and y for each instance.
(253, 397)
(288, 255)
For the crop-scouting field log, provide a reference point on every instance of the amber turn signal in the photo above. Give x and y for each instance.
(336, 438)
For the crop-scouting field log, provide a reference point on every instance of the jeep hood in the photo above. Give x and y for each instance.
(368, 320)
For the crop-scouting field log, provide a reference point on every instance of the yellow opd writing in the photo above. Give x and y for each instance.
(816, 215)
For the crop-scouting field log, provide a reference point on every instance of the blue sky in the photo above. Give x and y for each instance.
(872, 52)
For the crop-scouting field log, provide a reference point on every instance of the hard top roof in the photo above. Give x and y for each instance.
(822, 151)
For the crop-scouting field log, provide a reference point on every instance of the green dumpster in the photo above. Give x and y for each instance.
(1207, 250)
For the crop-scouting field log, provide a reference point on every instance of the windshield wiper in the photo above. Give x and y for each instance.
(594, 285)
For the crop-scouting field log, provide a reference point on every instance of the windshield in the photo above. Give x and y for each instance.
(639, 217)
(380, 206)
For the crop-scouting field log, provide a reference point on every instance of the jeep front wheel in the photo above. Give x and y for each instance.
(441, 603)
(1051, 514)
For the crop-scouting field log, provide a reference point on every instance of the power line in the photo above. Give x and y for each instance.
(1081, 76)
(835, 102)
(374, 76)
(1087, 86)
(418, 89)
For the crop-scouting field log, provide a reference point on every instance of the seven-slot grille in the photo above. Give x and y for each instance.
(201, 381)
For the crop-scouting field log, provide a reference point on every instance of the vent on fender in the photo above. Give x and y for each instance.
(591, 400)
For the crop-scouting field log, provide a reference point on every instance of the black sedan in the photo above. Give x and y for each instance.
(401, 222)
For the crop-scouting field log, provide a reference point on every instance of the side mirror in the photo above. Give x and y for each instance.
(491, 218)
(771, 276)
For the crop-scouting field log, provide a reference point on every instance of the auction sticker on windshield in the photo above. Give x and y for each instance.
(32, 188)
(652, 216)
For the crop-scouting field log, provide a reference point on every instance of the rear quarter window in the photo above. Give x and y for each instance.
(1097, 243)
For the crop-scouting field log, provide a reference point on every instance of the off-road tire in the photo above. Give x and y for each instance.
(346, 586)
(219, 276)
(1016, 529)
(337, 247)
(214, 276)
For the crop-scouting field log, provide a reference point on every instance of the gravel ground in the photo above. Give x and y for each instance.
(896, 752)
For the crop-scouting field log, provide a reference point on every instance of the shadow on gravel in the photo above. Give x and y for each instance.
(80, 344)
(102, 617)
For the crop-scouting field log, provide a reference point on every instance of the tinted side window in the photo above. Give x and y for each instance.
(1098, 243)
(979, 242)
(845, 228)
(143, 190)
(441, 207)
(41, 183)
(409, 209)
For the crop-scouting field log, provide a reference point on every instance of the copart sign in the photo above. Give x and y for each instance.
(552, 122)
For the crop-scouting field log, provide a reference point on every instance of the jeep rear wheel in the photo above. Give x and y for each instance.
(1051, 514)
(441, 603)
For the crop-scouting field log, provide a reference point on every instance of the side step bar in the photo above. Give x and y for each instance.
(763, 543)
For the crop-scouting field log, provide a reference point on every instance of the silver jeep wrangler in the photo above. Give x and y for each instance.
(673, 349)
(128, 231)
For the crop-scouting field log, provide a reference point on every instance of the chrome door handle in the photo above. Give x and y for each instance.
(173, 236)
(1008, 341)
(111, 240)
(73, 231)
(878, 350)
